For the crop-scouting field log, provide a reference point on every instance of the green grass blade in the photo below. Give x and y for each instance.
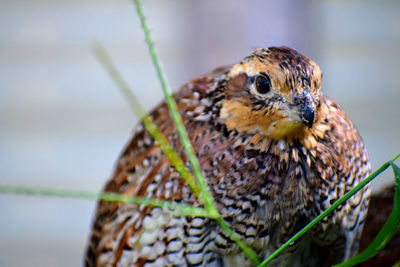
(235, 237)
(106, 61)
(387, 231)
(339, 202)
(181, 209)
(205, 195)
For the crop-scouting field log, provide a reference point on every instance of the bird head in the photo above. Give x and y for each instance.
(274, 92)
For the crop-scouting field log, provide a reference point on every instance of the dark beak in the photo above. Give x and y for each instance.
(307, 115)
(307, 108)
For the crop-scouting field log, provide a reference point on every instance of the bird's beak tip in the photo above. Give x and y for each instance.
(308, 116)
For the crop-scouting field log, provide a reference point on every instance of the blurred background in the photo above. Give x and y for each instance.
(63, 122)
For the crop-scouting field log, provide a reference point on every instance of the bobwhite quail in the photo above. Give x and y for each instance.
(275, 152)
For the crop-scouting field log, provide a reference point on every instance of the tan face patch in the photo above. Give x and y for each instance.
(275, 125)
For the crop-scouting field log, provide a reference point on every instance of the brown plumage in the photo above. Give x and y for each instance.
(275, 152)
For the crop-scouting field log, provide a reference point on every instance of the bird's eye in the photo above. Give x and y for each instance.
(263, 84)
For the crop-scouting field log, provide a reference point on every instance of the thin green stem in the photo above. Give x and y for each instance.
(182, 209)
(339, 202)
(236, 238)
(395, 157)
(205, 195)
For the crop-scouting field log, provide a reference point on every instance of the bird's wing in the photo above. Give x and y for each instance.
(144, 171)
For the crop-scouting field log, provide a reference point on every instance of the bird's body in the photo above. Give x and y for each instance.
(275, 153)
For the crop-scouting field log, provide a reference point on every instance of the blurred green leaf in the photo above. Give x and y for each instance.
(106, 61)
(181, 209)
